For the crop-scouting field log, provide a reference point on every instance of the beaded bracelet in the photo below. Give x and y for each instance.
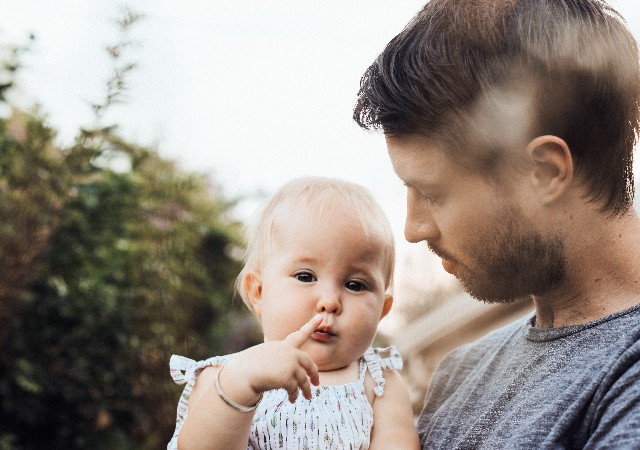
(230, 402)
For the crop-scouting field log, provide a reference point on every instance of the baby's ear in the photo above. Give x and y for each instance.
(388, 301)
(253, 287)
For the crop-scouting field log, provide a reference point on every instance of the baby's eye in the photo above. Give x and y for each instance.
(305, 277)
(354, 285)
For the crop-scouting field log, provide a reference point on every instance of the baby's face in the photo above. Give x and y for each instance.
(323, 265)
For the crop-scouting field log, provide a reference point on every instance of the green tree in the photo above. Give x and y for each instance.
(106, 274)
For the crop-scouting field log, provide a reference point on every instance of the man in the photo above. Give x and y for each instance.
(512, 124)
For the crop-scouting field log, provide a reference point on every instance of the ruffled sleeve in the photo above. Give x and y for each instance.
(185, 371)
(379, 359)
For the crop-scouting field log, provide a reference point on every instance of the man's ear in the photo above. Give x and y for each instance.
(552, 166)
(388, 301)
(253, 286)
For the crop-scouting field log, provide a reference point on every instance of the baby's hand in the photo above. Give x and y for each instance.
(280, 364)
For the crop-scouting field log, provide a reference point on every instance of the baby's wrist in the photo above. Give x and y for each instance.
(234, 388)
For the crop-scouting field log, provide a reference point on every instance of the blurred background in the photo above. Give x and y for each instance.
(135, 141)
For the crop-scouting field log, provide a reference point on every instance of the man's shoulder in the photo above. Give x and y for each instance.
(581, 381)
(614, 334)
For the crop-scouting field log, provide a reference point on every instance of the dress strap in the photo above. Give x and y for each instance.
(379, 359)
(184, 370)
(181, 368)
(362, 369)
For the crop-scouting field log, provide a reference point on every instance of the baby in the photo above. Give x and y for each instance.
(318, 276)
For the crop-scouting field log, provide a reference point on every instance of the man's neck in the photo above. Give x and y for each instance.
(603, 275)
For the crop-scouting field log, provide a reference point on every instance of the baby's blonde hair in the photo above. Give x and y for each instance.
(317, 195)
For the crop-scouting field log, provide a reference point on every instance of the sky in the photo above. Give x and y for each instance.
(250, 92)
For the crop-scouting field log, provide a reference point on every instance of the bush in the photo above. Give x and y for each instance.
(106, 273)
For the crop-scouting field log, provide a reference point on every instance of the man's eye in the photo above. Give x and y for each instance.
(432, 199)
(425, 195)
(355, 286)
(305, 277)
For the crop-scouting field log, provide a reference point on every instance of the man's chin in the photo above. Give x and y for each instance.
(491, 294)
(494, 300)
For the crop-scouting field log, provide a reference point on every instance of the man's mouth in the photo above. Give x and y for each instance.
(448, 265)
(439, 252)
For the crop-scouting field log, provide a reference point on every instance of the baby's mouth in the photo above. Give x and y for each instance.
(323, 334)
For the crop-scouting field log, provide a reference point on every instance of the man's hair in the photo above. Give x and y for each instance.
(472, 74)
(319, 197)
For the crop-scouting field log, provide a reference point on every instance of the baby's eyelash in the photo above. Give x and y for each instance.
(356, 285)
(305, 277)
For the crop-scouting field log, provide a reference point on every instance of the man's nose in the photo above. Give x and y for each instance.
(419, 225)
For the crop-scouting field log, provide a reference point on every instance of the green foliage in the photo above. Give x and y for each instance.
(106, 273)
(33, 184)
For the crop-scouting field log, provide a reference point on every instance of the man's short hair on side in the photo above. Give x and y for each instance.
(480, 77)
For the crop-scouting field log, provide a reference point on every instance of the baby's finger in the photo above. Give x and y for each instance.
(303, 383)
(310, 368)
(293, 394)
(299, 337)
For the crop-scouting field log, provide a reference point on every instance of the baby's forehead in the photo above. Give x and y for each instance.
(328, 210)
(336, 221)
(308, 234)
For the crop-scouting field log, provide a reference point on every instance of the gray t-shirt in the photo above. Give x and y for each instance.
(522, 387)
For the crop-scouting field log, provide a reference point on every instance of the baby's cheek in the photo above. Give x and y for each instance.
(276, 331)
(366, 329)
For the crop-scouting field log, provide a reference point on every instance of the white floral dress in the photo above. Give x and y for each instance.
(337, 417)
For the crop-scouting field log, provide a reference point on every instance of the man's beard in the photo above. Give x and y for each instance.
(513, 260)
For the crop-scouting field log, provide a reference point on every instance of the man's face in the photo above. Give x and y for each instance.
(479, 228)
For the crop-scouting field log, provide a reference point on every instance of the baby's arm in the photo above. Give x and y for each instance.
(213, 424)
(393, 424)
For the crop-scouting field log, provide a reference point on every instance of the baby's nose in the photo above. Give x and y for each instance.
(330, 301)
